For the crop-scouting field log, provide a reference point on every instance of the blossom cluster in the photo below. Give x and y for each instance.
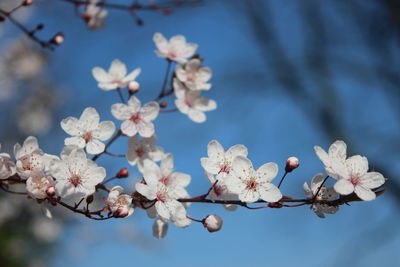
(162, 191)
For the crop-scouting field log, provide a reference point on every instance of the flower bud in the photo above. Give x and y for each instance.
(27, 2)
(58, 39)
(123, 173)
(89, 199)
(121, 212)
(51, 191)
(291, 164)
(213, 223)
(86, 17)
(163, 104)
(133, 87)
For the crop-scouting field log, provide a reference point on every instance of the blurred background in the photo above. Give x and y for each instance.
(287, 75)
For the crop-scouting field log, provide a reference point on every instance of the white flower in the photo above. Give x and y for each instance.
(88, 131)
(334, 160)
(116, 77)
(7, 167)
(358, 179)
(119, 204)
(37, 186)
(191, 103)
(141, 149)
(193, 75)
(75, 174)
(160, 228)
(94, 16)
(252, 185)
(165, 190)
(31, 160)
(176, 49)
(220, 190)
(325, 193)
(136, 119)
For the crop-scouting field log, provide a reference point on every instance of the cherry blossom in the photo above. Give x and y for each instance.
(334, 160)
(141, 149)
(94, 15)
(136, 119)
(7, 167)
(193, 75)
(176, 49)
(75, 174)
(252, 185)
(324, 193)
(120, 204)
(88, 131)
(37, 186)
(191, 103)
(116, 77)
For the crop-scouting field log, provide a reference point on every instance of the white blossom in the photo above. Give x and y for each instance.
(7, 167)
(191, 103)
(176, 49)
(252, 185)
(193, 75)
(120, 204)
(75, 174)
(325, 193)
(37, 186)
(136, 119)
(334, 160)
(116, 77)
(94, 15)
(141, 149)
(88, 131)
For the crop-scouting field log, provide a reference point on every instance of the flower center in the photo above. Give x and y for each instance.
(160, 197)
(87, 136)
(116, 82)
(75, 180)
(224, 168)
(140, 152)
(172, 54)
(191, 77)
(251, 184)
(218, 190)
(355, 180)
(188, 103)
(135, 118)
(164, 179)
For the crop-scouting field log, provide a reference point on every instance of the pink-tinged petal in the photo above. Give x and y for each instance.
(269, 193)
(181, 106)
(242, 167)
(129, 128)
(104, 131)
(338, 150)
(117, 69)
(145, 129)
(160, 229)
(372, 180)
(101, 75)
(148, 191)
(121, 111)
(267, 172)
(89, 119)
(197, 116)
(162, 210)
(75, 141)
(150, 111)
(132, 76)
(210, 166)
(95, 147)
(364, 193)
(179, 89)
(167, 164)
(160, 42)
(236, 150)
(70, 126)
(108, 86)
(134, 104)
(357, 165)
(344, 187)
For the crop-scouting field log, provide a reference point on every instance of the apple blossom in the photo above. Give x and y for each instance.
(193, 75)
(324, 193)
(176, 49)
(141, 149)
(75, 174)
(252, 185)
(116, 77)
(119, 204)
(191, 103)
(88, 131)
(136, 119)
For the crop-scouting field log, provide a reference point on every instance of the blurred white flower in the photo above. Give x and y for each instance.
(116, 77)
(193, 75)
(325, 193)
(136, 119)
(141, 149)
(75, 174)
(334, 160)
(191, 103)
(7, 167)
(88, 131)
(94, 15)
(120, 204)
(176, 49)
(252, 185)
(160, 228)
(37, 186)
(45, 229)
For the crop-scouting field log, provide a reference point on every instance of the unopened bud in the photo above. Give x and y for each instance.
(291, 164)
(58, 39)
(40, 26)
(123, 173)
(213, 223)
(27, 2)
(121, 212)
(86, 17)
(163, 104)
(51, 191)
(133, 87)
(89, 199)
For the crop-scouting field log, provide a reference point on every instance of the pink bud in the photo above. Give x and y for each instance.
(133, 87)
(123, 173)
(213, 223)
(121, 212)
(291, 164)
(28, 2)
(163, 104)
(58, 39)
(51, 191)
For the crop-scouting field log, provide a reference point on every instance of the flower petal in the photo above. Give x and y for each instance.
(344, 187)
(117, 69)
(372, 180)
(95, 147)
(101, 75)
(267, 172)
(129, 128)
(121, 111)
(150, 111)
(104, 131)
(364, 193)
